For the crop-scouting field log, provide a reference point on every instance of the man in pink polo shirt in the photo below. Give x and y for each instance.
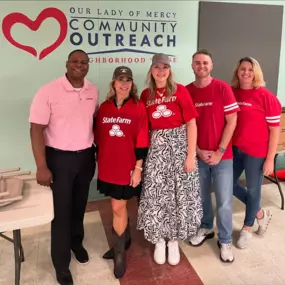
(61, 118)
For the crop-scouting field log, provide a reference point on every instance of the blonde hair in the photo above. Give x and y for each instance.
(112, 92)
(171, 85)
(258, 80)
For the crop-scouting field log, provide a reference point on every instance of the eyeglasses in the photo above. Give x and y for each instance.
(83, 62)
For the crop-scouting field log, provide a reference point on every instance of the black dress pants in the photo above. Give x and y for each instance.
(72, 173)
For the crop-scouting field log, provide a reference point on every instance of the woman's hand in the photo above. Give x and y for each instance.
(189, 164)
(136, 177)
(268, 166)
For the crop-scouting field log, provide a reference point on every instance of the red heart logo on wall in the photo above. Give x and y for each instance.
(14, 18)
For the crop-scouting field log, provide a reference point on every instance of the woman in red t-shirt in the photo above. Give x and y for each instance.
(254, 142)
(170, 205)
(122, 140)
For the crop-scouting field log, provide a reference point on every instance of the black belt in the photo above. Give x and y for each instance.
(69, 151)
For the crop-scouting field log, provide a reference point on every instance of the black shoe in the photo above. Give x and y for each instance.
(64, 277)
(81, 255)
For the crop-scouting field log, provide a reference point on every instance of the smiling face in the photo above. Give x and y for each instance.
(123, 86)
(77, 66)
(245, 74)
(160, 73)
(202, 65)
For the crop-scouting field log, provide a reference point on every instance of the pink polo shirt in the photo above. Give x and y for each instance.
(67, 113)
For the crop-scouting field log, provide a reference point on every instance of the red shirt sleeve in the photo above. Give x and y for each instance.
(186, 105)
(143, 134)
(273, 109)
(229, 100)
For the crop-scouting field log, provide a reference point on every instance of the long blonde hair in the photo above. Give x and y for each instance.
(170, 88)
(112, 92)
(258, 80)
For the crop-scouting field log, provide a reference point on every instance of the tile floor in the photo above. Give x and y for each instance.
(261, 264)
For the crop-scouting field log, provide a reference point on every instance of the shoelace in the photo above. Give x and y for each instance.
(227, 246)
(202, 232)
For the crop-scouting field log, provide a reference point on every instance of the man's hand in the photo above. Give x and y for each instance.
(204, 155)
(215, 158)
(44, 176)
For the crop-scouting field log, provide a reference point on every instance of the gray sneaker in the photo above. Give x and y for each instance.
(226, 254)
(244, 239)
(264, 222)
(201, 236)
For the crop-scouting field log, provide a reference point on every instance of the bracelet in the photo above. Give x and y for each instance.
(140, 168)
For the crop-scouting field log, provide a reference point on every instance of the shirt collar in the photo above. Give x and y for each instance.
(123, 103)
(67, 85)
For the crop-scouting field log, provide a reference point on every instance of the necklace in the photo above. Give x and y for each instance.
(160, 93)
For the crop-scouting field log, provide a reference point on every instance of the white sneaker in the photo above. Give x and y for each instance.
(173, 252)
(244, 239)
(226, 254)
(201, 236)
(264, 222)
(159, 255)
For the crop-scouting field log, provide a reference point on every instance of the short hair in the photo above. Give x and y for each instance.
(258, 80)
(202, 51)
(76, 50)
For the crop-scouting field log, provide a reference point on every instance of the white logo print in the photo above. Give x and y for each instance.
(123, 70)
(161, 111)
(115, 131)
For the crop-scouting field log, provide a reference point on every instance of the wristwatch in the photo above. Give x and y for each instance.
(222, 150)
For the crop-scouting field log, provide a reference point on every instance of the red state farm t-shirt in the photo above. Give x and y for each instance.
(260, 109)
(169, 113)
(118, 132)
(213, 103)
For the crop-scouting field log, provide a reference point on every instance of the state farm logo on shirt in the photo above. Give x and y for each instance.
(112, 120)
(116, 131)
(161, 111)
(161, 100)
(244, 104)
(203, 104)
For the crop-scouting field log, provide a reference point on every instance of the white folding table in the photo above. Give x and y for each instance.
(35, 209)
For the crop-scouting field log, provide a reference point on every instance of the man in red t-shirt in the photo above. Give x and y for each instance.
(217, 108)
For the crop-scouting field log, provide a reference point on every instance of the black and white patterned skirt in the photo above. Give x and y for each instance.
(170, 203)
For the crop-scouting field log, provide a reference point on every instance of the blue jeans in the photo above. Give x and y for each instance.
(222, 177)
(251, 195)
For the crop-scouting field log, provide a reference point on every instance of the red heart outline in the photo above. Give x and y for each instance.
(14, 18)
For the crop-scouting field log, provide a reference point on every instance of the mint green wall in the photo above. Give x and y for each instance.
(22, 74)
